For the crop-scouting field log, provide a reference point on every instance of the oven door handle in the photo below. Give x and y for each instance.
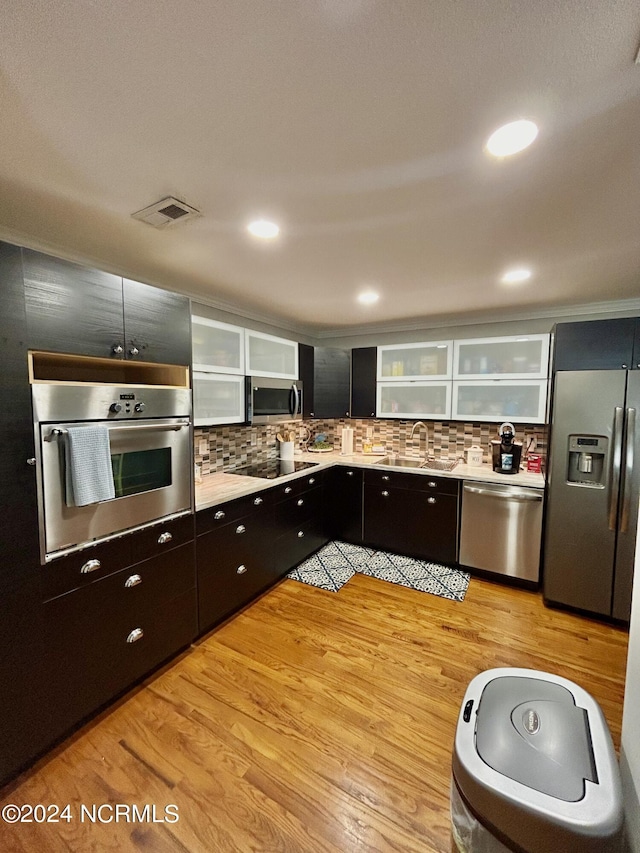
(56, 431)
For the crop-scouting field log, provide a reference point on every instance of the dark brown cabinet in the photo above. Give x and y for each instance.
(343, 504)
(299, 521)
(363, 382)
(597, 345)
(325, 376)
(416, 515)
(74, 309)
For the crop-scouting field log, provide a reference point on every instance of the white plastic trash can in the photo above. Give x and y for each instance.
(534, 769)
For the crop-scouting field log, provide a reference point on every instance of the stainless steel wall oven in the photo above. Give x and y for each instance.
(147, 430)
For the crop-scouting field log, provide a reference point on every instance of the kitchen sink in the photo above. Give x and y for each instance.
(413, 462)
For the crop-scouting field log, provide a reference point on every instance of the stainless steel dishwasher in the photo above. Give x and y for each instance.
(501, 529)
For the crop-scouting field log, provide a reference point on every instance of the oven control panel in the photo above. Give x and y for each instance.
(105, 402)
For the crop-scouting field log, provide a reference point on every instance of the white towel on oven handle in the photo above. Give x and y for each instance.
(88, 471)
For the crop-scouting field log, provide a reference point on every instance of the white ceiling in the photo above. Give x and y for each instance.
(357, 124)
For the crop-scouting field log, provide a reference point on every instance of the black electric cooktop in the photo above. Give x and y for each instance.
(273, 468)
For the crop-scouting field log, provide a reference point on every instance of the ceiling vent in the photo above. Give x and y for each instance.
(167, 212)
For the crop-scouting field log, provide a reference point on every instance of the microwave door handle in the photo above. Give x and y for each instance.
(294, 400)
(627, 471)
(616, 465)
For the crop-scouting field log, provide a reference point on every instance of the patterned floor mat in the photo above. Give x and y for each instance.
(337, 562)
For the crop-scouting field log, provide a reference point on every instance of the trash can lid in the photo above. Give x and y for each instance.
(531, 730)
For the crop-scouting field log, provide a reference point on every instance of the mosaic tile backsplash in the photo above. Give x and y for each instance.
(227, 447)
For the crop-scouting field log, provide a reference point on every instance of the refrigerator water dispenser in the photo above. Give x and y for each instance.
(587, 455)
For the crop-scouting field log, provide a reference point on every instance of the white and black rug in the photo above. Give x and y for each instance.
(337, 562)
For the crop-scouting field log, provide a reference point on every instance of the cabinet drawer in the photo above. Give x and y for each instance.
(218, 516)
(296, 487)
(417, 482)
(84, 567)
(297, 509)
(297, 544)
(161, 537)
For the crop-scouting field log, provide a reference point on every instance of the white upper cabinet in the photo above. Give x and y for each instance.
(414, 400)
(218, 398)
(217, 347)
(267, 355)
(520, 401)
(402, 362)
(516, 357)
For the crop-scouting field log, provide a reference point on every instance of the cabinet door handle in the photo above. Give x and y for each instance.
(385, 477)
(134, 580)
(624, 366)
(219, 515)
(431, 484)
(117, 349)
(311, 481)
(135, 635)
(300, 534)
(300, 502)
(241, 569)
(287, 490)
(258, 501)
(164, 538)
(240, 528)
(31, 460)
(385, 494)
(90, 566)
(349, 473)
(431, 500)
(134, 350)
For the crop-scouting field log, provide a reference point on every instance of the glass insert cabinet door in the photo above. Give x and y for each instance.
(516, 357)
(523, 401)
(414, 400)
(267, 355)
(217, 347)
(218, 399)
(432, 360)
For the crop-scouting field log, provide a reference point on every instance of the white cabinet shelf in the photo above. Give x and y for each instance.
(516, 357)
(431, 360)
(217, 347)
(521, 401)
(267, 355)
(218, 398)
(413, 400)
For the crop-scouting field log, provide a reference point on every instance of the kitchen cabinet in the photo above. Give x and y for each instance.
(217, 347)
(298, 519)
(412, 514)
(234, 556)
(597, 345)
(343, 504)
(267, 355)
(103, 638)
(74, 309)
(325, 373)
(522, 401)
(363, 382)
(218, 398)
(429, 360)
(414, 400)
(515, 357)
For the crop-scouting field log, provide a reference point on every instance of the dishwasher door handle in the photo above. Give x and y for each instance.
(505, 496)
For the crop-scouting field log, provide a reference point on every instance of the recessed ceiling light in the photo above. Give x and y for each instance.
(368, 297)
(516, 275)
(511, 138)
(264, 229)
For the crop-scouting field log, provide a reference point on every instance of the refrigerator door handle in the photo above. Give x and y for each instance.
(630, 431)
(616, 465)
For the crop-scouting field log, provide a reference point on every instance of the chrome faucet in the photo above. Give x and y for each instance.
(426, 435)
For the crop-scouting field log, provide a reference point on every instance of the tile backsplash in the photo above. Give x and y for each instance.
(222, 448)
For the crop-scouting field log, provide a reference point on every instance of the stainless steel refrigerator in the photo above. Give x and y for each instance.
(593, 491)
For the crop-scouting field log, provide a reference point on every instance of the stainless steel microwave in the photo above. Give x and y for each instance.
(270, 401)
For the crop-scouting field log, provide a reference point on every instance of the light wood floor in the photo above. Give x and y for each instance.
(313, 721)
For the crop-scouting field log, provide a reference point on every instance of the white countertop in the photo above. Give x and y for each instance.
(221, 487)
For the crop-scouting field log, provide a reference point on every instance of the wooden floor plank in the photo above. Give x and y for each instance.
(313, 721)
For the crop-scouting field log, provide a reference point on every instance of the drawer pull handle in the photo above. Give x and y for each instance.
(385, 494)
(287, 490)
(257, 501)
(241, 569)
(134, 580)
(300, 534)
(240, 528)
(219, 515)
(164, 538)
(385, 477)
(300, 502)
(431, 484)
(90, 566)
(135, 635)
(312, 480)
(431, 500)
(349, 473)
